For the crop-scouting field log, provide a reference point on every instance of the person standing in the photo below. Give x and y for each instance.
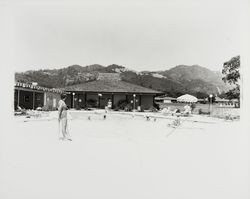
(187, 110)
(193, 106)
(109, 104)
(63, 119)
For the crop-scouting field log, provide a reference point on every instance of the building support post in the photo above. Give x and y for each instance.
(134, 95)
(44, 99)
(112, 100)
(18, 97)
(140, 100)
(73, 100)
(77, 101)
(99, 101)
(85, 100)
(33, 100)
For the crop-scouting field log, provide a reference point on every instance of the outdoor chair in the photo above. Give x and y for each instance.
(175, 112)
(186, 113)
(34, 114)
(166, 111)
(20, 111)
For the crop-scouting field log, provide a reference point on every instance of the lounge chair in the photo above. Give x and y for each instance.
(175, 112)
(20, 111)
(32, 113)
(186, 113)
(166, 111)
(39, 108)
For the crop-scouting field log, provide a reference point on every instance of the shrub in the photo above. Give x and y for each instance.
(44, 108)
(128, 107)
(50, 108)
(200, 111)
(203, 112)
(193, 105)
(156, 106)
(122, 104)
(153, 109)
(91, 103)
(78, 107)
(142, 108)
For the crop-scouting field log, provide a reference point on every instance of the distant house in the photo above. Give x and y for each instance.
(165, 99)
(109, 86)
(203, 101)
(32, 96)
(227, 103)
(235, 103)
(221, 101)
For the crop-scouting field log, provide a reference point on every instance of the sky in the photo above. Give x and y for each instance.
(141, 35)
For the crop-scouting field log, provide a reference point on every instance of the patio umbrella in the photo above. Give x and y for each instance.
(187, 98)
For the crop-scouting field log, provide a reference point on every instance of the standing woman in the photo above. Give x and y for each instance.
(63, 118)
(109, 104)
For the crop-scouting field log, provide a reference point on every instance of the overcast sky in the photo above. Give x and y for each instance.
(141, 35)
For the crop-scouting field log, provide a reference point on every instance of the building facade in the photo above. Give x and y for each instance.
(107, 87)
(94, 94)
(31, 96)
(165, 99)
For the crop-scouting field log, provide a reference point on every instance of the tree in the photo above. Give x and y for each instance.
(200, 95)
(222, 95)
(232, 76)
(231, 70)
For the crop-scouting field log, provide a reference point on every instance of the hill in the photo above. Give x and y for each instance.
(178, 80)
(197, 78)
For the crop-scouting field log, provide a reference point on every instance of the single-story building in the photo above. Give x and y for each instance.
(235, 102)
(32, 96)
(202, 101)
(165, 99)
(221, 101)
(109, 86)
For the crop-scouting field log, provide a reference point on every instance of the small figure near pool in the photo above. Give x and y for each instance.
(187, 110)
(109, 104)
(63, 119)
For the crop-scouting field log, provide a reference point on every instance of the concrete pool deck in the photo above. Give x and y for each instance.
(124, 157)
(84, 114)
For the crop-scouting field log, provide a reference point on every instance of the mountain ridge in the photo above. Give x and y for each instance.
(178, 80)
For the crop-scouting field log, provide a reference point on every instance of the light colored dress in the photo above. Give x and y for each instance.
(187, 109)
(63, 120)
(109, 104)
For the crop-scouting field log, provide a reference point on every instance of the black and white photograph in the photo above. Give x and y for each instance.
(112, 99)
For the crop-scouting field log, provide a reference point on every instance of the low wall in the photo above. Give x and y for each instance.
(216, 110)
